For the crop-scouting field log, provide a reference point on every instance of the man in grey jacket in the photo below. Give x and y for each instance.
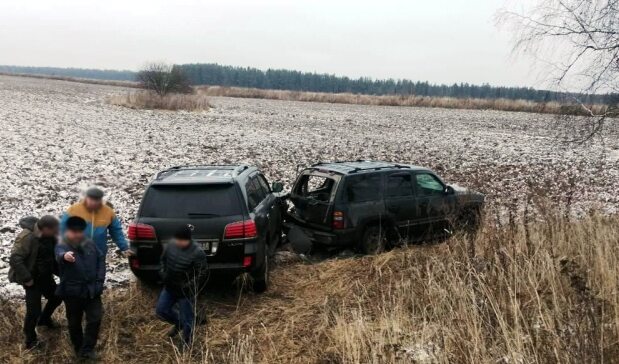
(183, 270)
(32, 265)
(82, 274)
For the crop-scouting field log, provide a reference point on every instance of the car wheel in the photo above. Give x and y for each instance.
(470, 220)
(261, 276)
(147, 279)
(374, 240)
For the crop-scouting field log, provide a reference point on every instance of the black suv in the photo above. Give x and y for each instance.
(372, 204)
(234, 213)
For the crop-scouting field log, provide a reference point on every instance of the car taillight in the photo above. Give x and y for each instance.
(140, 231)
(135, 263)
(240, 230)
(338, 220)
(247, 261)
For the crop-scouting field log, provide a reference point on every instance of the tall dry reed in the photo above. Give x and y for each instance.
(539, 292)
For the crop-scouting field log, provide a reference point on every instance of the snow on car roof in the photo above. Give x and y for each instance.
(193, 174)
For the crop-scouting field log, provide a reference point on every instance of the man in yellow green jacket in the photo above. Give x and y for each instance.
(101, 220)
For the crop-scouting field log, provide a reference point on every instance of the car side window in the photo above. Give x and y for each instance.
(399, 185)
(364, 187)
(263, 183)
(428, 185)
(254, 193)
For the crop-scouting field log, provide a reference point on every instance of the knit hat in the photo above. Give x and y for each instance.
(76, 223)
(94, 192)
(183, 233)
(48, 221)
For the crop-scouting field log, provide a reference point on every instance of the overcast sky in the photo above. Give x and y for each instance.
(442, 41)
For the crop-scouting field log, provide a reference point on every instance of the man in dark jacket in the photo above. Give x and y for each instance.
(32, 265)
(82, 274)
(183, 267)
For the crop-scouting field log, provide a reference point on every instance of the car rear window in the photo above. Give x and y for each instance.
(199, 201)
(315, 187)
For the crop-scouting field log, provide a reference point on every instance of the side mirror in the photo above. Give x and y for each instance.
(449, 190)
(277, 187)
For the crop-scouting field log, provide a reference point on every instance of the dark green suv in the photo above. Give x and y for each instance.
(370, 205)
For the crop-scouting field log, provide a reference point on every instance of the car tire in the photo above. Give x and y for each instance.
(374, 240)
(147, 279)
(261, 275)
(470, 220)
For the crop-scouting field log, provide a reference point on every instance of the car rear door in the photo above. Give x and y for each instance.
(401, 203)
(273, 208)
(258, 205)
(362, 199)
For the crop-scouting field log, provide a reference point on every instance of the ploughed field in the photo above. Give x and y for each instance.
(58, 137)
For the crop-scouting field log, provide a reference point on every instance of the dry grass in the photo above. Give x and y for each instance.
(152, 101)
(536, 293)
(417, 101)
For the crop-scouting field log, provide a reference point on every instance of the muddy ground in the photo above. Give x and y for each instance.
(58, 137)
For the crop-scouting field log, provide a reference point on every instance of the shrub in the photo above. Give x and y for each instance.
(164, 79)
(151, 100)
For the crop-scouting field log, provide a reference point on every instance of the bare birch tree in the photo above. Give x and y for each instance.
(578, 41)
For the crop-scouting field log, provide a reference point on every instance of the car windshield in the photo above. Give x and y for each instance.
(199, 201)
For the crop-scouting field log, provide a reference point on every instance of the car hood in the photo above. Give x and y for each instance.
(467, 194)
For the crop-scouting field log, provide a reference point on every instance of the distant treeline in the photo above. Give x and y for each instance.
(72, 72)
(278, 79)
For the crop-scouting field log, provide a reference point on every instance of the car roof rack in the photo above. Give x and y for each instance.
(348, 167)
(237, 169)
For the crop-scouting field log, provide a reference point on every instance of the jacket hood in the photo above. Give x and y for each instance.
(30, 223)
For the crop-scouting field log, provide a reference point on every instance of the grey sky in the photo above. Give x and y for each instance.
(442, 41)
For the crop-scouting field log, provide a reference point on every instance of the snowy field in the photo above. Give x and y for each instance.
(59, 137)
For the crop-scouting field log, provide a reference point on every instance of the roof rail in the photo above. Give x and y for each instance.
(240, 169)
(236, 169)
(395, 165)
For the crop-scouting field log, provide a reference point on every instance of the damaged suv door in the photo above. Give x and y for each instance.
(312, 196)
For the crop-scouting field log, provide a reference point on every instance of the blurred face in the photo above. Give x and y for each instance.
(49, 232)
(181, 243)
(74, 236)
(93, 204)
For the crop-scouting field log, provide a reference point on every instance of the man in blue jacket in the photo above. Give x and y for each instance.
(82, 274)
(100, 220)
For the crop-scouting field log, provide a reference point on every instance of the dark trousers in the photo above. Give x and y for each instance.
(44, 287)
(184, 319)
(84, 339)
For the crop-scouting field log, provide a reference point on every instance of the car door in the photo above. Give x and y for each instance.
(363, 199)
(257, 205)
(432, 204)
(274, 212)
(401, 203)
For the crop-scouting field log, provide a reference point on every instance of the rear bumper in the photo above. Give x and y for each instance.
(230, 257)
(232, 267)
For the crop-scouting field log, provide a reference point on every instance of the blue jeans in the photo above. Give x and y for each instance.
(184, 319)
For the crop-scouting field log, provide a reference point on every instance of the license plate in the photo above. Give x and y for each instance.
(209, 246)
